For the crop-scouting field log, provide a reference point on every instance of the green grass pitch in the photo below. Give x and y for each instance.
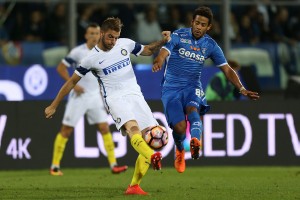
(215, 183)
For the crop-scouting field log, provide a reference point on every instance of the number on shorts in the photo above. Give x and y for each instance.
(199, 92)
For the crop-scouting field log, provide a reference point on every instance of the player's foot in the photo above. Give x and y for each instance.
(56, 171)
(156, 160)
(119, 169)
(195, 146)
(179, 161)
(135, 190)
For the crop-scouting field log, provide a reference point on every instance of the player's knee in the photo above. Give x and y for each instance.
(66, 131)
(103, 128)
(134, 129)
(180, 127)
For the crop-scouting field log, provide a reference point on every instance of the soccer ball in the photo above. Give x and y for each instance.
(156, 137)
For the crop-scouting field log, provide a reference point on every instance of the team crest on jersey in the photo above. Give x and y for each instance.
(124, 52)
(203, 50)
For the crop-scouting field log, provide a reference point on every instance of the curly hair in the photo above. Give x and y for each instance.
(205, 12)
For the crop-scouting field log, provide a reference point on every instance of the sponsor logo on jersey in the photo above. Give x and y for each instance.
(116, 66)
(195, 48)
(187, 54)
(186, 41)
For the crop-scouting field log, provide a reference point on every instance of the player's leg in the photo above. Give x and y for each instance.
(176, 119)
(195, 103)
(59, 148)
(123, 110)
(195, 131)
(75, 109)
(97, 114)
(145, 120)
(145, 158)
(179, 162)
(109, 146)
(141, 167)
(139, 144)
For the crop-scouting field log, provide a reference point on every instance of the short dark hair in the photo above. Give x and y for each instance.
(112, 23)
(205, 12)
(93, 25)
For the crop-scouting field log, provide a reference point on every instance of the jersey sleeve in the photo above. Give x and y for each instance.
(134, 47)
(83, 68)
(71, 59)
(172, 43)
(217, 56)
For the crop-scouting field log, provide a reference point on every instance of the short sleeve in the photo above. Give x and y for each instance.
(133, 47)
(83, 68)
(172, 43)
(71, 58)
(217, 56)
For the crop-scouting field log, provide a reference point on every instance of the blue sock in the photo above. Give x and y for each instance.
(195, 125)
(178, 139)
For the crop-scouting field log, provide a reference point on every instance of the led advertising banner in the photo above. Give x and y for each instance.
(235, 133)
(36, 82)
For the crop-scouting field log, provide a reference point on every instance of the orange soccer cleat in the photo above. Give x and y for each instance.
(156, 160)
(179, 162)
(135, 190)
(195, 146)
(119, 169)
(56, 171)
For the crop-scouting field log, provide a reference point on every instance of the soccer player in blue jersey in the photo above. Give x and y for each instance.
(182, 94)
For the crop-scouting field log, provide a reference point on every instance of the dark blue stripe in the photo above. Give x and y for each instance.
(71, 61)
(137, 48)
(82, 70)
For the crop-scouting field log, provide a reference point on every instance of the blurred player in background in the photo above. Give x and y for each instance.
(110, 62)
(85, 98)
(182, 93)
(220, 88)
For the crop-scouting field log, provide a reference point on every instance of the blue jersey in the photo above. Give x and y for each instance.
(186, 58)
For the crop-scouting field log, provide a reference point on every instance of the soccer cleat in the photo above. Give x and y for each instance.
(156, 160)
(179, 162)
(119, 169)
(195, 146)
(56, 171)
(135, 190)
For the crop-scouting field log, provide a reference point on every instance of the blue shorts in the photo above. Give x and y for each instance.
(176, 100)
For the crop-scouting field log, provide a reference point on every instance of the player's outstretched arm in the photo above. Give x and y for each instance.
(63, 72)
(159, 60)
(234, 79)
(65, 89)
(154, 47)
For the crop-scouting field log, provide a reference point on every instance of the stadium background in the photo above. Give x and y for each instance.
(261, 133)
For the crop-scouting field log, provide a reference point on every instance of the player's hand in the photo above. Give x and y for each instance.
(78, 90)
(166, 35)
(156, 67)
(49, 112)
(250, 94)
